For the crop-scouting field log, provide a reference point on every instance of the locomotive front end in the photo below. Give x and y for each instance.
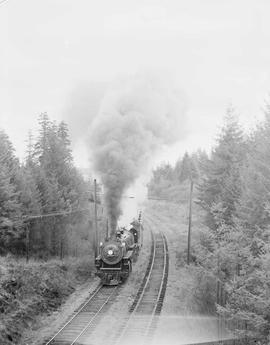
(109, 263)
(114, 262)
(111, 253)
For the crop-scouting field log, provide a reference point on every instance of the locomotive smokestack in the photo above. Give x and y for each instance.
(138, 116)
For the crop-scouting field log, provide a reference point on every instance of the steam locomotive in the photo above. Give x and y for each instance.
(116, 255)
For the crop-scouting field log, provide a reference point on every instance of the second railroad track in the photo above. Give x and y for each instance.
(139, 326)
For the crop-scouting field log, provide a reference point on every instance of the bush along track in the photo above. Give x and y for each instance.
(29, 290)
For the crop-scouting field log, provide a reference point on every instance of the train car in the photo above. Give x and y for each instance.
(114, 262)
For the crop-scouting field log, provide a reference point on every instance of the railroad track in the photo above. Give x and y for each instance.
(141, 319)
(140, 324)
(84, 321)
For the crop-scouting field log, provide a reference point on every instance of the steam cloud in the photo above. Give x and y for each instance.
(139, 115)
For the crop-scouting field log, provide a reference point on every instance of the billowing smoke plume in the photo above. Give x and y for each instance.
(138, 116)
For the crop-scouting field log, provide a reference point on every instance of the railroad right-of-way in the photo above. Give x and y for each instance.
(139, 311)
(95, 320)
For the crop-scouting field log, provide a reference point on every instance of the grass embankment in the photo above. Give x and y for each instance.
(28, 290)
(191, 289)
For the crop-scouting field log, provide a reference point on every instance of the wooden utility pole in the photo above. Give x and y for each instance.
(61, 249)
(219, 292)
(107, 229)
(95, 222)
(190, 221)
(141, 228)
(27, 242)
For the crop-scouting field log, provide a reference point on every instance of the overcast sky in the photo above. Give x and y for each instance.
(217, 50)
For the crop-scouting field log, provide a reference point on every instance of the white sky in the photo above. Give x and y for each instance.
(218, 51)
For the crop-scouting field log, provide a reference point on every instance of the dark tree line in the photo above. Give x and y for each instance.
(46, 182)
(233, 187)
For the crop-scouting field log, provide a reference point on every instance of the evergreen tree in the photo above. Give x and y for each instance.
(30, 149)
(46, 183)
(189, 168)
(53, 154)
(41, 151)
(247, 286)
(60, 186)
(200, 159)
(29, 193)
(220, 189)
(10, 207)
(254, 203)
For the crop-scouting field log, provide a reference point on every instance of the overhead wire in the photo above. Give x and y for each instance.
(61, 213)
(52, 214)
(65, 213)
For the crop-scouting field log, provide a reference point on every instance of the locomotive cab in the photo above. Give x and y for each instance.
(135, 234)
(136, 230)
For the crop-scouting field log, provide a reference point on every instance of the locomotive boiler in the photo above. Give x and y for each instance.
(114, 262)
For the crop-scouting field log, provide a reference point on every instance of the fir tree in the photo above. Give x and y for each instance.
(189, 169)
(253, 208)
(10, 207)
(221, 186)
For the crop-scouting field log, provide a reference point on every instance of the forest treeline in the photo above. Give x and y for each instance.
(45, 183)
(232, 258)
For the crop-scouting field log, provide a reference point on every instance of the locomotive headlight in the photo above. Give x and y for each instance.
(110, 252)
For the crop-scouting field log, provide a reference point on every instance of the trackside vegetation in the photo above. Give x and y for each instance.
(46, 237)
(231, 256)
(45, 184)
(33, 289)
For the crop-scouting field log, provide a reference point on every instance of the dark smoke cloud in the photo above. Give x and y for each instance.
(137, 116)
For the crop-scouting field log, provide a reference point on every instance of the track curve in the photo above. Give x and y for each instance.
(141, 322)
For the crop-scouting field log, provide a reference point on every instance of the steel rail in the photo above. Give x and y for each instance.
(162, 284)
(161, 293)
(93, 317)
(141, 290)
(98, 288)
(151, 273)
(147, 272)
(148, 276)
